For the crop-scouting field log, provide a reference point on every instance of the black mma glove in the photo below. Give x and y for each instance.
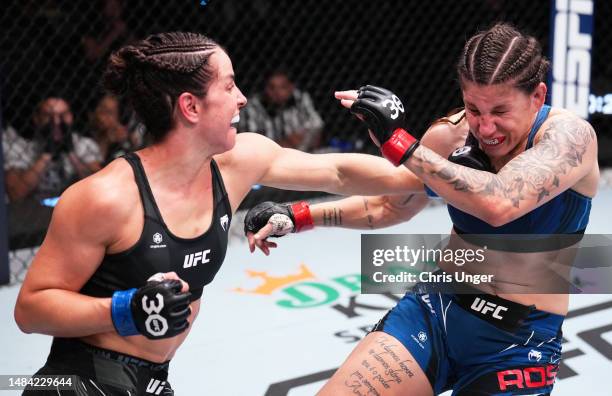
(156, 310)
(383, 112)
(284, 218)
(472, 157)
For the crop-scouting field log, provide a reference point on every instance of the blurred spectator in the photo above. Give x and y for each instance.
(284, 114)
(109, 34)
(113, 137)
(48, 156)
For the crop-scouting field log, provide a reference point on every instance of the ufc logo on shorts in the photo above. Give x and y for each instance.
(484, 307)
(155, 386)
(193, 259)
(529, 377)
(155, 324)
(395, 105)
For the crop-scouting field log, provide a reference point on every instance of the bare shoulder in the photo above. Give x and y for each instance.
(444, 137)
(100, 201)
(250, 157)
(245, 164)
(248, 146)
(562, 125)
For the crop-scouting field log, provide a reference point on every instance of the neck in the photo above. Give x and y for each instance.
(178, 161)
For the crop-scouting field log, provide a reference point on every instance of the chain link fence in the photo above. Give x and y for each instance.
(55, 48)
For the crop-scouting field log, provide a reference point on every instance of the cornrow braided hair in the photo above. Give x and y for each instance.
(153, 73)
(503, 54)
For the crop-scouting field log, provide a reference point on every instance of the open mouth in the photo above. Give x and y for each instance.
(235, 120)
(493, 142)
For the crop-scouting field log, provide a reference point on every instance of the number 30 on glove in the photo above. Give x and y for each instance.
(383, 112)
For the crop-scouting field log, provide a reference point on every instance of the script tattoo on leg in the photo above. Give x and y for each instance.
(379, 370)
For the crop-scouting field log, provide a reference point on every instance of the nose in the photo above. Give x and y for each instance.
(486, 126)
(242, 100)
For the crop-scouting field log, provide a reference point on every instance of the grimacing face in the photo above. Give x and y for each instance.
(500, 115)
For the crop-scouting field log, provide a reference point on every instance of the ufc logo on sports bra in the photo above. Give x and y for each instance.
(484, 307)
(193, 259)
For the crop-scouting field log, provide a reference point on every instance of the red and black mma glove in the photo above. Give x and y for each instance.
(156, 310)
(383, 112)
(284, 218)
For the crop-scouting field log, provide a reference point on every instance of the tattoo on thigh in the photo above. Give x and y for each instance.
(379, 369)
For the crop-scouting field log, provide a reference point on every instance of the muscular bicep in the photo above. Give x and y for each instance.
(564, 154)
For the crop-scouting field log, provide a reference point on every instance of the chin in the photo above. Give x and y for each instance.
(230, 142)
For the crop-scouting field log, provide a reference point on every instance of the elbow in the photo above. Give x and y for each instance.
(23, 316)
(497, 214)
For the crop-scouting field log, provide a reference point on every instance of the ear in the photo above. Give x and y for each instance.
(539, 95)
(189, 107)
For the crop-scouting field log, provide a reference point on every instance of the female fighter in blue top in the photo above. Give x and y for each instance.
(525, 168)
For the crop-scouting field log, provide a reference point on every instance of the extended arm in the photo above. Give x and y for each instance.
(258, 160)
(357, 212)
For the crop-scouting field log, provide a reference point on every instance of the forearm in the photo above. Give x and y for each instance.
(477, 192)
(361, 212)
(63, 313)
(360, 174)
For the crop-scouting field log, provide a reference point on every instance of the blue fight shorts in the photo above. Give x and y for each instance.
(478, 344)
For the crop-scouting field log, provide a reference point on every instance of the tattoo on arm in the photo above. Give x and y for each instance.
(326, 217)
(368, 215)
(370, 221)
(534, 173)
(408, 199)
(332, 217)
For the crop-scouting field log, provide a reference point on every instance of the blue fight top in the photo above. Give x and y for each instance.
(567, 213)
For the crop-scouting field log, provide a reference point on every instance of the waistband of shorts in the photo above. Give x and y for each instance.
(505, 314)
(61, 347)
